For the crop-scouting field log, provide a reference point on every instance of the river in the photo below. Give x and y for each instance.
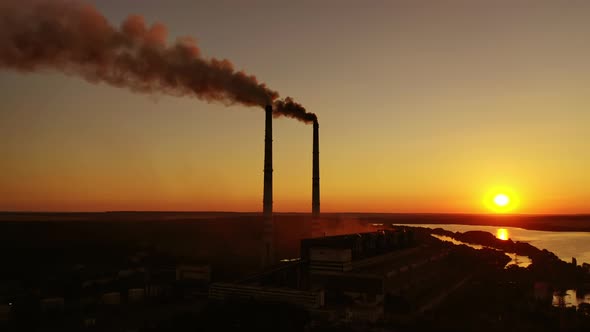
(563, 244)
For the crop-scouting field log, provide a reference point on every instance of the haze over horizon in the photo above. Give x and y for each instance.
(424, 107)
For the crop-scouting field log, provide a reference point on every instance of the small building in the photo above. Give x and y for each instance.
(135, 295)
(193, 272)
(5, 311)
(542, 291)
(89, 321)
(306, 299)
(111, 298)
(10, 291)
(360, 313)
(52, 304)
(158, 289)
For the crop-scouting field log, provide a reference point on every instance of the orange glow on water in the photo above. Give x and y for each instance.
(502, 234)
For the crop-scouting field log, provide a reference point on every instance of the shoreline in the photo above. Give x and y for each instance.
(549, 223)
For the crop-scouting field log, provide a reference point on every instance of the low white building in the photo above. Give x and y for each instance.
(193, 272)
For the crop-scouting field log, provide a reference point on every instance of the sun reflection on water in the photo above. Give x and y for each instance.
(502, 234)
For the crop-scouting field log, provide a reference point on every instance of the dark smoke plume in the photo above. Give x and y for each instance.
(291, 109)
(74, 38)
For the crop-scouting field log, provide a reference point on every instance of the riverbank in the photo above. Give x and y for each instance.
(553, 223)
(545, 265)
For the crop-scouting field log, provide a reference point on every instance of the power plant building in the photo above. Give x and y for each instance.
(367, 272)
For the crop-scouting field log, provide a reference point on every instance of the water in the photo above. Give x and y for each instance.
(563, 244)
(522, 261)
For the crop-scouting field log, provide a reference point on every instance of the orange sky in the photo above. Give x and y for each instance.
(422, 108)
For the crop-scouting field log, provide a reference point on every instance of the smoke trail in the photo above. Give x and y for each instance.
(291, 109)
(74, 38)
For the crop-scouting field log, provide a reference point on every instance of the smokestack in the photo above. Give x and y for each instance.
(267, 199)
(268, 230)
(315, 181)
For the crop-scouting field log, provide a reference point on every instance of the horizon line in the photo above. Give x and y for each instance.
(294, 212)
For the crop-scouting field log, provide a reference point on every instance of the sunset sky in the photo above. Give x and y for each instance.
(424, 106)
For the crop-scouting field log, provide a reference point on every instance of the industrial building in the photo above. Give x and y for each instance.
(356, 277)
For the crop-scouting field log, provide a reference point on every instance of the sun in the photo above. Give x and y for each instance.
(501, 200)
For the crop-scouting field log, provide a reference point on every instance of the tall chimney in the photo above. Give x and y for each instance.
(268, 229)
(315, 181)
(267, 199)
